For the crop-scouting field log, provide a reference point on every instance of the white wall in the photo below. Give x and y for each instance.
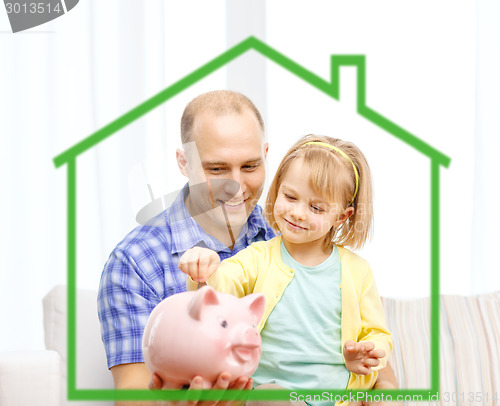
(421, 79)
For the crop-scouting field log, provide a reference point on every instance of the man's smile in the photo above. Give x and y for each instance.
(233, 204)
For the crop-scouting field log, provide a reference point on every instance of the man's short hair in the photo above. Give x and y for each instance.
(218, 103)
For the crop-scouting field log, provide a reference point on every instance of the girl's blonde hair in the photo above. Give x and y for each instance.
(332, 176)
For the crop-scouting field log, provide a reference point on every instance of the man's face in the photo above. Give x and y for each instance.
(230, 170)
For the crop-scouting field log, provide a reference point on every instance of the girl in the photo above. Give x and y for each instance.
(323, 326)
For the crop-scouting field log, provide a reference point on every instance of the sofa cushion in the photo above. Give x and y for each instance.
(28, 375)
(469, 346)
(92, 371)
(54, 322)
(469, 343)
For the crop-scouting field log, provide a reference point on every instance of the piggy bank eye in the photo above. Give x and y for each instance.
(223, 323)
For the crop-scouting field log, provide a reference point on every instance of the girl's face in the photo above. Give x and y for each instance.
(302, 216)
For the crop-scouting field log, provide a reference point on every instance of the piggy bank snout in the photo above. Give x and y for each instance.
(246, 349)
(248, 337)
(251, 337)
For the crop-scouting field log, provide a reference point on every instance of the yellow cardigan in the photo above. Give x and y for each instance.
(260, 269)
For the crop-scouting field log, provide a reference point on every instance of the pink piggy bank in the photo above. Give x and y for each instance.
(203, 333)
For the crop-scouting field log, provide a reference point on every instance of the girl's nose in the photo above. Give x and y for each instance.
(298, 211)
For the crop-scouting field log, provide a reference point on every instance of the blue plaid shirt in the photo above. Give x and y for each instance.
(143, 270)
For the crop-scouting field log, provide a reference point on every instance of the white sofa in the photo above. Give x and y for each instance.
(469, 347)
(39, 377)
(470, 351)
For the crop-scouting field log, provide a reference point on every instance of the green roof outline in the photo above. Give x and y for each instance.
(329, 88)
(332, 89)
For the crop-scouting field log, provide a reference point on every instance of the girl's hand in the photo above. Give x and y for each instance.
(361, 357)
(199, 263)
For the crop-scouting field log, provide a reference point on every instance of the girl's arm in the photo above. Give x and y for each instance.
(374, 329)
(372, 343)
(372, 313)
(235, 275)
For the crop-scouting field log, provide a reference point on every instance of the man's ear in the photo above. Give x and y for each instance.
(344, 216)
(180, 156)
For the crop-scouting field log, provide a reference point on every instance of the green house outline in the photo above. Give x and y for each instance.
(331, 88)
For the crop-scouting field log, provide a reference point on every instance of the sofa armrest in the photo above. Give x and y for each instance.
(30, 378)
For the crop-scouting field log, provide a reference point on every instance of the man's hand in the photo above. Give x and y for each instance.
(223, 382)
(199, 263)
(137, 376)
(361, 357)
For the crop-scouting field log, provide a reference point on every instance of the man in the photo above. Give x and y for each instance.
(224, 159)
(223, 137)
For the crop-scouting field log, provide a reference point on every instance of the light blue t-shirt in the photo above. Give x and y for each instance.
(301, 340)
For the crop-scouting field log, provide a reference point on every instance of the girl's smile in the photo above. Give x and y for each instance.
(294, 226)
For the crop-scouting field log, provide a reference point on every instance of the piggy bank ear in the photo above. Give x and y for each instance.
(205, 296)
(256, 303)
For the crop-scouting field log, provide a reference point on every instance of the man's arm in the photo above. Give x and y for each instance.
(386, 378)
(132, 376)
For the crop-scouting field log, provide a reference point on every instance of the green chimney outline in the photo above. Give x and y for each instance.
(332, 89)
